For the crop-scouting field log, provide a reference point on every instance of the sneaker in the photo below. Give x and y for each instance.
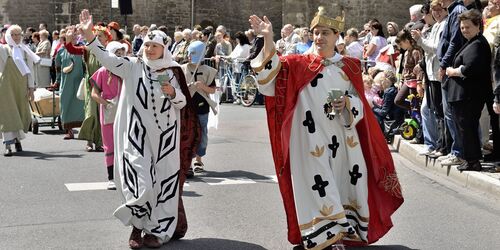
(425, 151)
(444, 157)
(198, 167)
(111, 185)
(453, 160)
(8, 152)
(436, 154)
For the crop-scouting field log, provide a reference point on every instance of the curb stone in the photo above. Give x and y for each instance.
(481, 181)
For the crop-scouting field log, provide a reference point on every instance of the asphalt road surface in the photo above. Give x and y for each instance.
(52, 196)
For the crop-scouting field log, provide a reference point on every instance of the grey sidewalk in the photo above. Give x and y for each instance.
(480, 181)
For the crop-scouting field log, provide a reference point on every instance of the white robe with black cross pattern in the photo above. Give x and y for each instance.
(147, 131)
(328, 170)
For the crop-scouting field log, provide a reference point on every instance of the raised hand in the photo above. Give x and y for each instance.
(261, 26)
(86, 25)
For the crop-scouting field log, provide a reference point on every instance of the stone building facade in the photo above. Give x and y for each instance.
(231, 13)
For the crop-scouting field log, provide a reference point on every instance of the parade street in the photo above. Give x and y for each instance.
(53, 196)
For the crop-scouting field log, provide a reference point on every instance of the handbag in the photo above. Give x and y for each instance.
(110, 111)
(80, 94)
(46, 62)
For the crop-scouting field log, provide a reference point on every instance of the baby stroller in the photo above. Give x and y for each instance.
(411, 127)
(45, 110)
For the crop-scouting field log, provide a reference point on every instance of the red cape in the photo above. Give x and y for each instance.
(384, 190)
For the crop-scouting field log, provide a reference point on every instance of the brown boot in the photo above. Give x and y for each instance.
(135, 241)
(151, 241)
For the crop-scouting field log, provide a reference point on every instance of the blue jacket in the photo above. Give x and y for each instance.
(388, 107)
(451, 39)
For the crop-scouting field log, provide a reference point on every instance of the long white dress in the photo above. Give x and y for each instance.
(328, 170)
(147, 139)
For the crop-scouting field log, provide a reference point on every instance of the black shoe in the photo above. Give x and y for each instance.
(491, 157)
(18, 147)
(8, 153)
(190, 173)
(470, 166)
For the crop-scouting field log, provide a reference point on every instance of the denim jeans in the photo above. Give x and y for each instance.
(429, 126)
(456, 146)
(202, 147)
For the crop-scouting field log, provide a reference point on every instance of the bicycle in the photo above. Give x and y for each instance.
(243, 88)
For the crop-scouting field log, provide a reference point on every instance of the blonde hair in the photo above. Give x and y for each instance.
(44, 33)
(435, 3)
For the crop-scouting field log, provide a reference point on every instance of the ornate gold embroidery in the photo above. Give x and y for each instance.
(351, 142)
(271, 75)
(266, 60)
(391, 184)
(317, 220)
(318, 152)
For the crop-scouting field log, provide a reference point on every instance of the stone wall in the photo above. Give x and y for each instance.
(231, 13)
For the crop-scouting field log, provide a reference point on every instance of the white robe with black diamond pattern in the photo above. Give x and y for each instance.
(147, 160)
(328, 169)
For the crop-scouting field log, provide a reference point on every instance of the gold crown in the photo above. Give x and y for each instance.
(321, 19)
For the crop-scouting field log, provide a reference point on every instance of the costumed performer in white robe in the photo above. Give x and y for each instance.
(147, 137)
(335, 172)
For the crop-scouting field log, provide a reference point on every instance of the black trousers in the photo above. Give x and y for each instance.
(466, 115)
(495, 129)
(435, 104)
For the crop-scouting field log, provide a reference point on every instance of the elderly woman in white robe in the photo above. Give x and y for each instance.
(16, 86)
(148, 138)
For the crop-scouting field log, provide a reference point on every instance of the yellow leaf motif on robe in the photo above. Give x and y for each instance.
(318, 152)
(326, 211)
(351, 142)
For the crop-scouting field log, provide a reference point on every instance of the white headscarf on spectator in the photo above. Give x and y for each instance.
(17, 52)
(166, 61)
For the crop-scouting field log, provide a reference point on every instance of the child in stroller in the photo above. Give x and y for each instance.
(389, 116)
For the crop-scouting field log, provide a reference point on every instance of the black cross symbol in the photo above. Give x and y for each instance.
(309, 122)
(351, 230)
(334, 146)
(196, 75)
(310, 244)
(329, 235)
(320, 185)
(355, 112)
(355, 174)
(314, 82)
(269, 65)
(347, 94)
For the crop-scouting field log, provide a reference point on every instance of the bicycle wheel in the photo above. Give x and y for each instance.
(248, 90)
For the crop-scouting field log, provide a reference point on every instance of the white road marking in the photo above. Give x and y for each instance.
(73, 187)
(91, 186)
(212, 181)
(273, 178)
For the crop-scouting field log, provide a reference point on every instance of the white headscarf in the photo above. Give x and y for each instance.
(166, 61)
(17, 52)
(113, 46)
